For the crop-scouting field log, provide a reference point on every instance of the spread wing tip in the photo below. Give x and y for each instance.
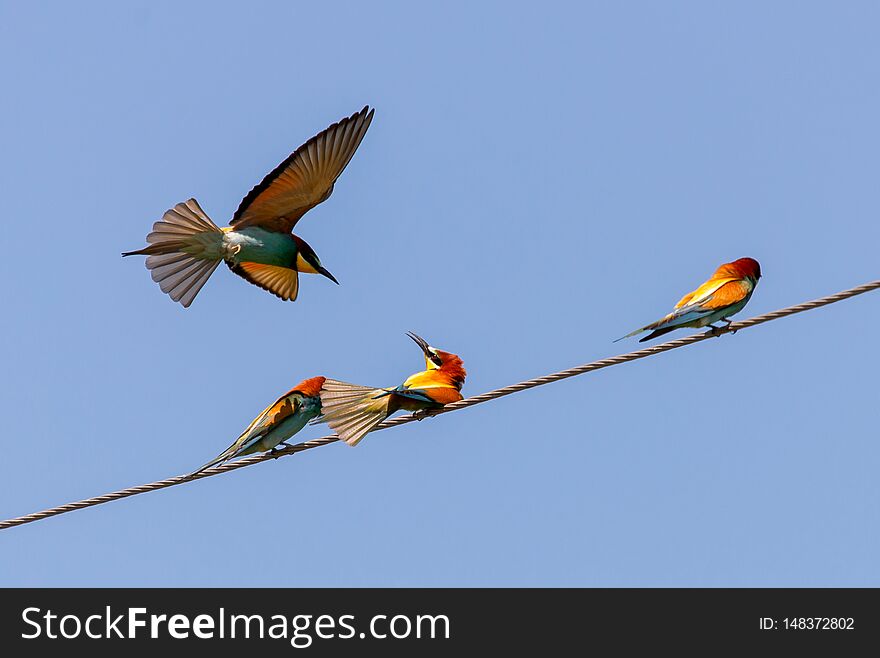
(305, 178)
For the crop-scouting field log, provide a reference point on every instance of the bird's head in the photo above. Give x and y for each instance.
(742, 268)
(310, 387)
(447, 362)
(307, 260)
(748, 268)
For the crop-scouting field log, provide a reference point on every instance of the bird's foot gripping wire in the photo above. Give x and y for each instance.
(278, 451)
(717, 331)
(423, 413)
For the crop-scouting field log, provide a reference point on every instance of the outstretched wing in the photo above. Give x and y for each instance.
(282, 282)
(305, 178)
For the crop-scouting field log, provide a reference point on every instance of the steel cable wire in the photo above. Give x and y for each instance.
(468, 402)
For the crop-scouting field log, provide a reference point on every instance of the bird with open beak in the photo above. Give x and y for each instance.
(352, 410)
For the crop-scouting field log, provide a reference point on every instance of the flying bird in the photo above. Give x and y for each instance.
(353, 410)
(276, 423)
(185, 246)
(724, 294)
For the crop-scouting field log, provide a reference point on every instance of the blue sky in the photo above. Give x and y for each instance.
(539, 179)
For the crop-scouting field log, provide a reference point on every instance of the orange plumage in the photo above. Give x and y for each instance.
(353, 410)
(450, 373)
(725, 293)
(310, 387)
(741, 268)
(277, 422)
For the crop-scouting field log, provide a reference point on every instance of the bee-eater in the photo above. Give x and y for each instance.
(353, 410)
(724, 294)
(185, 246)
(276, 423)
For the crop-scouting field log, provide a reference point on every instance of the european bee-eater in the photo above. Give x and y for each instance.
(724, 294)
(185, 246)
(353, 410)
(276, 423)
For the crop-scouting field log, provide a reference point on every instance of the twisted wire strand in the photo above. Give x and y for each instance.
(468, 402)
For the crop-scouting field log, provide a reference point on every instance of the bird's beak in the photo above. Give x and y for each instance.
(421, 342)
(322, 270)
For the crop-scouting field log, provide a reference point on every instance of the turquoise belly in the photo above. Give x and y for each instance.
(257, 245)
(723, 313)
(285, 429)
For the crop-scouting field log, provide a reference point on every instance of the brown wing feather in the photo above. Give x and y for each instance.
(304, 179)
(444, 395)
(728, 294)
(704, 291)
(283, 408)
(282, 282)
(272, 415)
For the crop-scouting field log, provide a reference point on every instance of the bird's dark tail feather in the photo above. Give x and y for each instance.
(167, 247)
(657, 332)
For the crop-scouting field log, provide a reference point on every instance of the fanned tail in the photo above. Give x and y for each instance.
(352, 410)
(185, 247)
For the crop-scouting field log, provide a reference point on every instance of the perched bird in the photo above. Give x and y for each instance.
(353, 410)
(724, 294)
(276, 423)
(185, 246)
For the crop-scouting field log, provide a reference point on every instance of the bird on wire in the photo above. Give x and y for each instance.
(276, 423)
(726, 293)
(185, 246)
(352, 410)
